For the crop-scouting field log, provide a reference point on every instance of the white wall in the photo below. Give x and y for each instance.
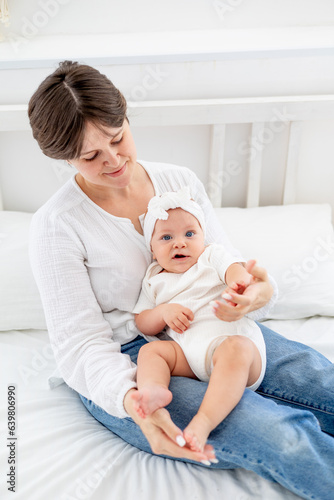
(129, 16)
(174, 50)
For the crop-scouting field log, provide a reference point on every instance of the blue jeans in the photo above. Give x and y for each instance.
(274, 431)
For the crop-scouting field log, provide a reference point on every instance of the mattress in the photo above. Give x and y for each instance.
(62, 453)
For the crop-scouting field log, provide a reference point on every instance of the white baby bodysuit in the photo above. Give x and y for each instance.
(194, 289)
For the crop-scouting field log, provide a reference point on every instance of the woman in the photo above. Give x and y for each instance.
(89, 257)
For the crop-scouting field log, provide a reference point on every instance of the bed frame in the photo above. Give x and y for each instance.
(266, 115)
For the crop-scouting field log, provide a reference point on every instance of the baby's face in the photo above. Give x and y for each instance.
(178, 241)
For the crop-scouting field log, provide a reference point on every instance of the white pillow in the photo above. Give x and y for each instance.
(20, 303)
(295, 243)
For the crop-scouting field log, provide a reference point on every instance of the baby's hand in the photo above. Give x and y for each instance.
(219, 308)
(239, 286)
(177, 317)
(236, 288)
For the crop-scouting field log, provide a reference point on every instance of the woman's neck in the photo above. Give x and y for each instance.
(99, 193)
(128, 202)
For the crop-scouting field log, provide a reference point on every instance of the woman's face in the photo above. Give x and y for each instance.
(108, 157)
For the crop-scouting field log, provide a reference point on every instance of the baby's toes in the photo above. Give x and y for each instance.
(192, 441)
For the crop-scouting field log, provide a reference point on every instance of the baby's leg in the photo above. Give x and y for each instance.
(157, 361)
(236, 365)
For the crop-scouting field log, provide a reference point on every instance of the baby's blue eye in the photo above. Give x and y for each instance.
(166, 237)
(189, 234)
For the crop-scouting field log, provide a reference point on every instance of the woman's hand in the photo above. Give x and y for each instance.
(163, 435)
(242, 299)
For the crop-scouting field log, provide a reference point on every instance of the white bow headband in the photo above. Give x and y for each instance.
(158, 206)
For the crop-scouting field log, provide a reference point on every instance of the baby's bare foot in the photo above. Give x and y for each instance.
(197, 432)
(150, 398)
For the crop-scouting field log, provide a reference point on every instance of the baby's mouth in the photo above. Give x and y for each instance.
(180, 256)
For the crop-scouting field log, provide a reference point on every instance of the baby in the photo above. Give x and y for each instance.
(180, 291)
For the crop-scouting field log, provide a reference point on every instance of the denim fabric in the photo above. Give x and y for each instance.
(274, 431)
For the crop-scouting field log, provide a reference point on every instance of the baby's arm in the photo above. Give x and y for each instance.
(237, 277)
(150, 321)
(153, 321)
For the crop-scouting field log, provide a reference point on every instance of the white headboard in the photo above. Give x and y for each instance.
(267, 116)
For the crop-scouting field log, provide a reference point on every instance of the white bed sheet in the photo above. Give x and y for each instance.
(64, 454)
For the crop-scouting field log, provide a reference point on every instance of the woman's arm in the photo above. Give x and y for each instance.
(88, 358)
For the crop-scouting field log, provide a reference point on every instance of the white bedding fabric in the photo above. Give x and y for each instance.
(64, 454)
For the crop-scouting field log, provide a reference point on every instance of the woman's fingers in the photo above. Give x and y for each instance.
(232, 298)
(165, 438)
(232, 311)
(161, 430)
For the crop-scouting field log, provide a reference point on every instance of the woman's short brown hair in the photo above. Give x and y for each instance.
(65, 101)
